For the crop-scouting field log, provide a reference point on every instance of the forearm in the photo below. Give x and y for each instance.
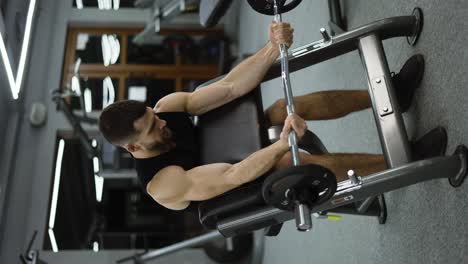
(257, 163)
(241, 80)
(249, 73)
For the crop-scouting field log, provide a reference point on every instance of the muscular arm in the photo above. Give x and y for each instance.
(174, 188)
(240, 80)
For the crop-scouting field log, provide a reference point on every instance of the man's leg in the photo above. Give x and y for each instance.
(335, 104)
(321, 105)
(340, 163)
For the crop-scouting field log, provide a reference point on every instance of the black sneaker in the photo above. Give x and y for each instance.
(432, 144)
(407, 80)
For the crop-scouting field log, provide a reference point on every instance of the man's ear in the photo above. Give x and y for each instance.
(132, 148)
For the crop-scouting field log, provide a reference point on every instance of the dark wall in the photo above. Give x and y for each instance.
(14, 15)
(4, 103)
(9, 117)
(31, 150)
(28, 152)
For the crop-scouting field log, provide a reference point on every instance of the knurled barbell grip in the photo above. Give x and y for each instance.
(292, 137)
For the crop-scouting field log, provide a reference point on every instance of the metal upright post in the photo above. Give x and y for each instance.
(387, 113)
(390, 126)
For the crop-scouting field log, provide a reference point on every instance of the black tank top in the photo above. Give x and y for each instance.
(185, 154)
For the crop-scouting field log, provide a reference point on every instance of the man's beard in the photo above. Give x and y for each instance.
(167, 143)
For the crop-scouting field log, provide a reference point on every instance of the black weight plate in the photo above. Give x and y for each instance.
(313, 178)
(266, 6)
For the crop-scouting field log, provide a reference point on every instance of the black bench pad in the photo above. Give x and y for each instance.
(243, 199)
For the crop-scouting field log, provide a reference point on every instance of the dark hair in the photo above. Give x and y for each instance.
(116, 120)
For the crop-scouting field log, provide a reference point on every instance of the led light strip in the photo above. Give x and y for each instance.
(95, 246)
(108, 92)
(79, 4)
(99, 187)
(55, 191)
(88, 100)
(53, 241)
(116, 4)
(15, 84)
(9, 71)
(98, 180)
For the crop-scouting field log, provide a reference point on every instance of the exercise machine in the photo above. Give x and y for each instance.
(268, 202)
(246, 209)
(160, 13)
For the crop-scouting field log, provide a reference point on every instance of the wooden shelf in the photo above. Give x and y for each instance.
(179, 72)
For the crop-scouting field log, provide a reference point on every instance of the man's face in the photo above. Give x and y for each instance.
(153, 133)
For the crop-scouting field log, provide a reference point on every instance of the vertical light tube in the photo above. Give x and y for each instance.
(106, 50)
(25, 46)
(7, 65)
(53, 241)
(88, 100)
(108, 92)
(55, 191)
(55, 188)
(116, 4)
(79, 4)
(95, 246)
(99, 187)
(15, 83)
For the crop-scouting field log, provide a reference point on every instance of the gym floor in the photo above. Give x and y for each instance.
(426, 222)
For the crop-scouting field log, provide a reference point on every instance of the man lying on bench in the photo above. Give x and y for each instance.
(163, 139)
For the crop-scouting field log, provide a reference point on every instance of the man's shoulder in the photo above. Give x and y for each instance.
(173, 114)
(164, 179)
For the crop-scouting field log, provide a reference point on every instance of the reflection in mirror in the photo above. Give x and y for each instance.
(150, 50)
(76, 68)
(75, 85)
(88, 100)
(103, 4)
(103, 49)
(110, 49)
(149, 90)
(97, 93)
(108, 92)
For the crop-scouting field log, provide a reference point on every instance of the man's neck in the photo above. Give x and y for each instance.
(145, 154)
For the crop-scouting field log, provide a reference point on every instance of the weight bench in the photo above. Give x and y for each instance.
(234, 131)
